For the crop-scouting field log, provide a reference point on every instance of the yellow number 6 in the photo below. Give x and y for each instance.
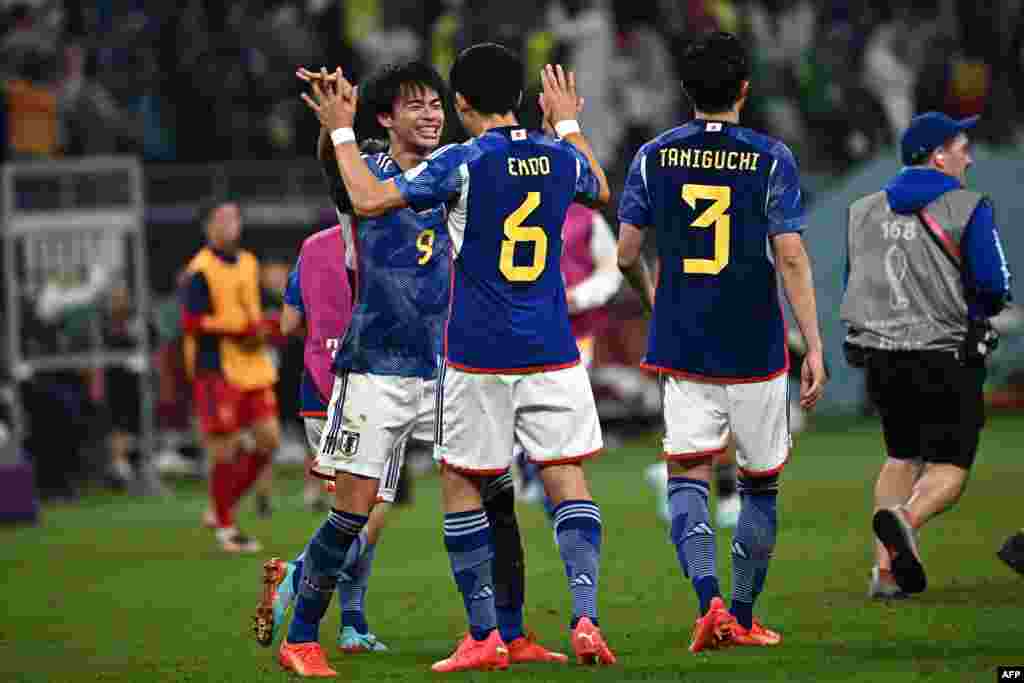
(714, 216)
(425, 243)
(516, 232)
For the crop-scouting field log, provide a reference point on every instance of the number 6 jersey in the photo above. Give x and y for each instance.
(715, 193)
(509, 190)
(401, 286)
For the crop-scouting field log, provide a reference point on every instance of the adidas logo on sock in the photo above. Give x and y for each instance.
(701, 529)
(582, 580)
(485, 593)
(738, 550)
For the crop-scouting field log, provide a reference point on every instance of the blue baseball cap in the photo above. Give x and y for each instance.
(929, 130)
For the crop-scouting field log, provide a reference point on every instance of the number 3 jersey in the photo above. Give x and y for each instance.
(715, 193)
(402, 270)
(509, 191)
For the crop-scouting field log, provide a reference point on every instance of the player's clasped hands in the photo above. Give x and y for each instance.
(332, 98)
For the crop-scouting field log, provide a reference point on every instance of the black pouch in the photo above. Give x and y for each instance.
(856, 356)
(980, 342)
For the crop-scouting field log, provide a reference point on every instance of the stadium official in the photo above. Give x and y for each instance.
(925, 272)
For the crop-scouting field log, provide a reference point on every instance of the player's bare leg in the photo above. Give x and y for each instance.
(313, 492)
(938, 489)
(577, 521)
(727, 500)
(468, 538)
(893, 488)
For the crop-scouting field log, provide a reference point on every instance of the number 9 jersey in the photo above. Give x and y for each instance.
(508, 191)
(715, 193)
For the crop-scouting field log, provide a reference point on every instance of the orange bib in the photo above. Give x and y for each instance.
(235, 299)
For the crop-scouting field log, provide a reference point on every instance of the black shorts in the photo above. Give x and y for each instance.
(931, 405)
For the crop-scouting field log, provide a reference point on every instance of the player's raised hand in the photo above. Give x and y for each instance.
(558, 98)
(332, 99)
(304, 74)
(546, 123)
(812, 379)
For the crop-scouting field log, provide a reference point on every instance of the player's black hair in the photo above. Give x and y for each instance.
(379, 92)
(713, 69)
(209, 205)
(490, 77)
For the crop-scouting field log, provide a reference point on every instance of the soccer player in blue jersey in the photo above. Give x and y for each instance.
(386, 366)
(724, 202)
(512, 366)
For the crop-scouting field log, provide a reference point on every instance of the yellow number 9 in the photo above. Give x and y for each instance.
(425, 243)
(714, 216)
(516, 232)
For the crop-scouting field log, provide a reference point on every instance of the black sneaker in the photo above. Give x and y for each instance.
(1012, 552)
(897, 536)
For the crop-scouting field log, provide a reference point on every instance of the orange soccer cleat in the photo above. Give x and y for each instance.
(589, 645)
(713, 629)
(756, 635)
(527, 649)
(305, 659)
(476, 655)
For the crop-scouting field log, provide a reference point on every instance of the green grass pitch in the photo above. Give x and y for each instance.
(116, 589)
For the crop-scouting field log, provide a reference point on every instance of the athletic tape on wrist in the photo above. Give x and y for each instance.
(340, 136)
(568, 127)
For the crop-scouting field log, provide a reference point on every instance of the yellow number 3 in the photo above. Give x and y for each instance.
(516, 232)
(714, 216)
(425, 243)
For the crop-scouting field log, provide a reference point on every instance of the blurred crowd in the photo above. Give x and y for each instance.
(204, 80)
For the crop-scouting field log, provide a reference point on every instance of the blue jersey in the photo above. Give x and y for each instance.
(715, 193)
(401, 293)
(311, 403)
(509, 191)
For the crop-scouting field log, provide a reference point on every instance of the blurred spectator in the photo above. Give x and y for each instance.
(121, 396)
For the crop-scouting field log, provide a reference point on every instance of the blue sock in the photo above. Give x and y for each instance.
(297, 574)
(578, 530)
(467, 537)
(693, 536)
(352, 591)
(752, 547)
(324, 560)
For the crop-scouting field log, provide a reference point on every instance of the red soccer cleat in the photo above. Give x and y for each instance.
(756, 635)
(713, 629)
(305, 659)
(527, 649)
(489, 654)
(589, 645)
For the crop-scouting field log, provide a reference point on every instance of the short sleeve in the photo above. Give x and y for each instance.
(437, 179)
(784, 205)
(635, 204)
(293, 291)
(587, 185)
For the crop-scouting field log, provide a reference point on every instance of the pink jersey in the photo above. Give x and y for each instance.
(327, 300)
(578, 264)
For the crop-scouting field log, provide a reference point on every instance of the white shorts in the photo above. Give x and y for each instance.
(699, 417)
(388, 489)
(481, 417)
(369, 421)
